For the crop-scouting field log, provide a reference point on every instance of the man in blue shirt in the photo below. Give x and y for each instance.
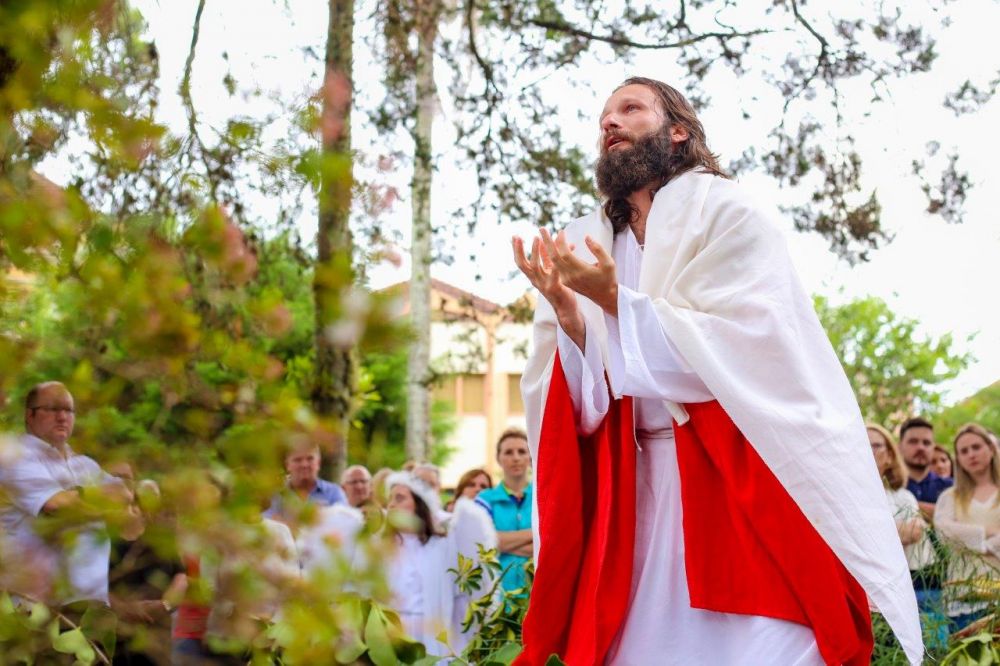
(509, 505)
(916, 442)
(303, 483)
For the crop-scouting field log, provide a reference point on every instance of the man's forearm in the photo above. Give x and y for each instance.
(509, 542)
(574, 327)
(61, 500)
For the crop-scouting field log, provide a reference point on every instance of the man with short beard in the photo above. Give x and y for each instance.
(916, 443)
(703, 481)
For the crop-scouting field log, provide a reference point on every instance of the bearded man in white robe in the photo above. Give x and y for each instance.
(705, 492)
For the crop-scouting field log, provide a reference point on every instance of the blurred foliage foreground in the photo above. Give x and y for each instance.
(186, 337)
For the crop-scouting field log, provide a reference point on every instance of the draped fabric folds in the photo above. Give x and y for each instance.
(769, 563)
(749, 548)
(586, 517)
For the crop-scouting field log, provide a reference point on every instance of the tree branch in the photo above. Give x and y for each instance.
(821, 59)
(820, 38)
(622, 41)
(486, 68)
(185, 93)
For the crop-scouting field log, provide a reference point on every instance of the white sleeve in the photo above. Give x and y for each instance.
(27, 484)
(972, 537)
(585, 377)
(644, 363)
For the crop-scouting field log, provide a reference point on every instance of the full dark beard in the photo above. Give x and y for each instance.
(621, 172)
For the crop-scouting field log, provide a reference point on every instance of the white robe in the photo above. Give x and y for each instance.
(424, 591)
(331, 541)
(661, 626)
(725, 296)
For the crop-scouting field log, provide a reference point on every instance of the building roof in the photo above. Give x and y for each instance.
(452, 298)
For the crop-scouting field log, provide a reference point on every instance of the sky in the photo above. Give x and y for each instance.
(944, 276)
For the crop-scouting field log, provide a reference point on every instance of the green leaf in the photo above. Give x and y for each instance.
(100, 625)
(429, 660)
(554, 660)
(505, 655)
(350, 647)
(377, 637)
(39, 615)
(75, 643)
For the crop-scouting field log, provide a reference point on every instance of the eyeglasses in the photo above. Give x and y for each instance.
(54, 410)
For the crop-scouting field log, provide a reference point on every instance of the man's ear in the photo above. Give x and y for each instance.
(678, 134)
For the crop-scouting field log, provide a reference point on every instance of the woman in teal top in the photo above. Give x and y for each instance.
(509, 505)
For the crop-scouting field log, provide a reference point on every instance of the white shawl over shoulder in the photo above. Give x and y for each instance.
(727, 295)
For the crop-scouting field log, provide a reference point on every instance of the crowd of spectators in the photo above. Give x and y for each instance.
(955, 567)
(74, 536)
(946, 509)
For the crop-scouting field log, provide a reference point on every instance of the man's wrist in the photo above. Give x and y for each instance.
(570, 322)
(610, 303)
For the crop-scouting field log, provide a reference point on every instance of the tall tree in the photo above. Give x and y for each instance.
(411, 31)
(427, 14)
(334, 380)
(894, 374)
(982, 407)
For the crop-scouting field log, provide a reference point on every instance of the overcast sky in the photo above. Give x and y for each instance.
(944, 276)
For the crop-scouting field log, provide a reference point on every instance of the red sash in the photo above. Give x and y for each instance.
(585, 488)
(749, 549)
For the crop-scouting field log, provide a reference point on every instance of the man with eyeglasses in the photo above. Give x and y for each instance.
(56, 506)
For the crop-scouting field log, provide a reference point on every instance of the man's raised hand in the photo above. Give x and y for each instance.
(540, 272)
(598, 282)
(544, 276)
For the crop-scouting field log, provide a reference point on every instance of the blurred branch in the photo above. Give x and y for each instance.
(185, 93)
(617, 40)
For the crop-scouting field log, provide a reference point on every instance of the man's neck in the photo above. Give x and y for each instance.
(61, 447)
(642, 201)
(516, 485)
(918, 475)
(303, 488)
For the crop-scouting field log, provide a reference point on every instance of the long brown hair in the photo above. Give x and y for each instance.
(895, 477)
(468, 478)
(692, 153)
(964, 485)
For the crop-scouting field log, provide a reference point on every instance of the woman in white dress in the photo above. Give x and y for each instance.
(905, 511)
(424, 592)
(968, 517)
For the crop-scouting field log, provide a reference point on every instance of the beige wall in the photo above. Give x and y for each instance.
(483, 365)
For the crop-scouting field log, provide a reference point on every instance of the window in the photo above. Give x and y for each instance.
(466, 392)
(446, 389)
(473, 394)
(515, 405)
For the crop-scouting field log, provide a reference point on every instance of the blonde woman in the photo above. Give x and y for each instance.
(906, 512)
(968, 516)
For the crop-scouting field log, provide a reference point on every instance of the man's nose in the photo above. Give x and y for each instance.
(610, 122)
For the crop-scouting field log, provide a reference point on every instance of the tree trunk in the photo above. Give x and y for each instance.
(418, 412)
(333, 386)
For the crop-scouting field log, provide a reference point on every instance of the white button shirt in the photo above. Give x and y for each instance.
(77, 560)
